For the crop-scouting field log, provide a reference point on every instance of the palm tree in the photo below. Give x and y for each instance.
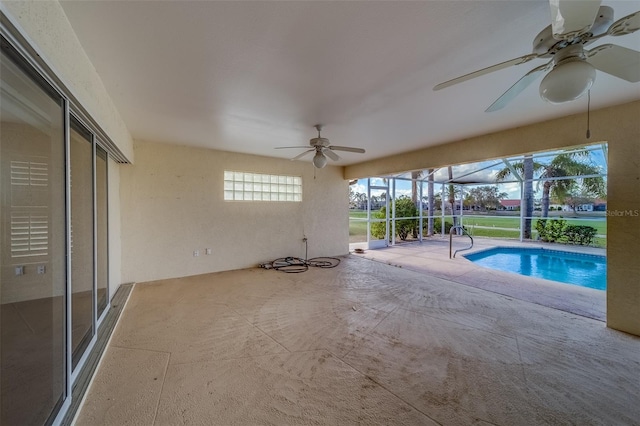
(361, 200)
(374, 202)
(452, 196)
(564, 165)
(568, 164)
(415, 175)
(430, 201)
(526, 168)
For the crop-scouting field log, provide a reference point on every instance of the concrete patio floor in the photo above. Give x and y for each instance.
(362, 343)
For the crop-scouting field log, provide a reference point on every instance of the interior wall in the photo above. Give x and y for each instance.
(173, 204)
(51, 34)
(27, 143)
(619, 126)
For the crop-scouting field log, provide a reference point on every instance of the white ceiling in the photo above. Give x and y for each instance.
(250, 76)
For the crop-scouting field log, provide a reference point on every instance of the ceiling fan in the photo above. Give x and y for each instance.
(572, 69)
(321, 147)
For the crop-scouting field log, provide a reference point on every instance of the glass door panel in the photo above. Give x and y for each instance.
(102, 229)
(82, 260)
(32, 247)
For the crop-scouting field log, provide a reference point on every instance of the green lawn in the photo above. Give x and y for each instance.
(480, 226)
(498, 222)
(507, 222)
(495, 233)
(357, 214)
(357, 227)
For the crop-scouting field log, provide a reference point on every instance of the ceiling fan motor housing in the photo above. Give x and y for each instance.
(544, 42)
(319, 142)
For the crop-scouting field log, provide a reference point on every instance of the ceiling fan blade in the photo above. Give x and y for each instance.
(627, 25)
(289, 147)
(331, 154)
(299, 156)
(571, 18)
(347, 148)
(502, 65)
(616, 60)
(518, 87)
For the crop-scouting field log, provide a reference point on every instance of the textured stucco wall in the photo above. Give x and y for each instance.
(623, 221)
(173, 203)
(620, 127)
(47, 28)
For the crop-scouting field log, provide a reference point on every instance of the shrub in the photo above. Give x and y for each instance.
(580, 234)
(378, 229)
(551, 230)
(404, 208)
(437, 225)
(557, 230)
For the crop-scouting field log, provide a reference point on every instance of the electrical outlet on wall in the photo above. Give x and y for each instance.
(207, 251)
(196, 253)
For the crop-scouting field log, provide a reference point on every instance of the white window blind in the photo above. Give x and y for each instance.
(29, 173)
(29, 234)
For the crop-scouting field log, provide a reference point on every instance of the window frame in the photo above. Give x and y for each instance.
(261, 187)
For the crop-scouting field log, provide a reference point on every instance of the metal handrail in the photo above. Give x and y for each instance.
(464, 232)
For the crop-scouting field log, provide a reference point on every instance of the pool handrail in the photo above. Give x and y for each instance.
(464, 232)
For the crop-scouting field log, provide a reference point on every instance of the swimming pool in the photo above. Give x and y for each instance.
(585, 270)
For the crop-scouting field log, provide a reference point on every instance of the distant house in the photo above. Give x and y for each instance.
(600, 205)
(597, 205)
(594, 206)
(558, 206)
(510, 204)
(586, 207)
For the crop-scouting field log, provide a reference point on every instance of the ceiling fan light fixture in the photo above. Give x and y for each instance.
(319, 160)
(567, 81)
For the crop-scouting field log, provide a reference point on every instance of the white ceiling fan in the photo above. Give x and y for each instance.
(321, 147)
(572, 69)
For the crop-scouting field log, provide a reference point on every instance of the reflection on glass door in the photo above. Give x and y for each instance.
(82, 260)
(102, 229)
(32, 252)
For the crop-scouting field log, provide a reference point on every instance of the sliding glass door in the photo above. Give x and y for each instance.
(82, 259)
(53, 243)
(32, 249)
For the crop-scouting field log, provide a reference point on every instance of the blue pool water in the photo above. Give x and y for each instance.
(585, 270)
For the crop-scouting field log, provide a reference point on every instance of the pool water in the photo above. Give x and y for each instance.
(585, 270)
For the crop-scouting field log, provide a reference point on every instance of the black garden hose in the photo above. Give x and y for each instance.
(295, 265)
